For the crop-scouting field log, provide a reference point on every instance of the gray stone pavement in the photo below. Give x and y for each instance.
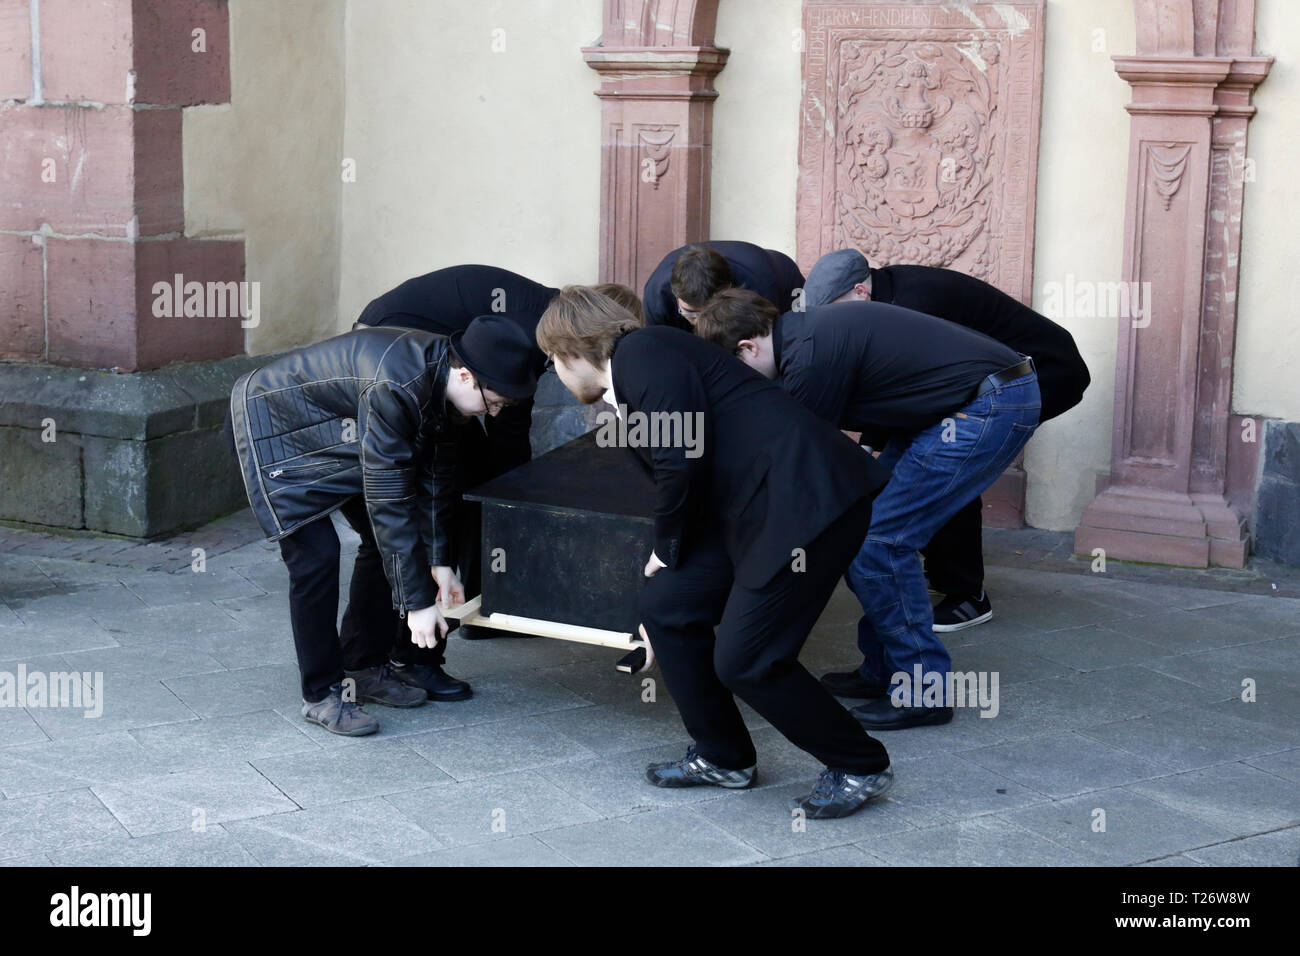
(1121, 735)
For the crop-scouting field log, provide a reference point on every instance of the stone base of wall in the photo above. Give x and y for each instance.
(139, 455)
(1277, 500)
(1004, 500)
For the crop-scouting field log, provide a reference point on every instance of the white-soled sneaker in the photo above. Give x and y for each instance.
(694, 771)
(956, 612)
(837, 794)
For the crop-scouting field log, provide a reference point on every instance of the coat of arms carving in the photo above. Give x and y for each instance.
(919, 135)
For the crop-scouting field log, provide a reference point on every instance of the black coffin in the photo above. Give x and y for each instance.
(576, 527)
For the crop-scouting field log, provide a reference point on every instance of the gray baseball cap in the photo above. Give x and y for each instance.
(833, 275)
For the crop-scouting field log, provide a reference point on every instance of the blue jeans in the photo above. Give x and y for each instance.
(936, 473)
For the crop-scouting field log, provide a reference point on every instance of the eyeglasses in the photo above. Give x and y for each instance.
(490, 407)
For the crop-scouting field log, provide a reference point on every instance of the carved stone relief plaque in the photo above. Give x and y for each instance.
(919, 135)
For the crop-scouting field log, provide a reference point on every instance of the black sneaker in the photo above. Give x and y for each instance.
(837, 794)
(694, 771)
(434, 681)
(852, 684)
(955, 612)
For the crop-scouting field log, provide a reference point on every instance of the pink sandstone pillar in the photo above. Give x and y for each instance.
(1192, 78)
(656, 62)
(91, 185)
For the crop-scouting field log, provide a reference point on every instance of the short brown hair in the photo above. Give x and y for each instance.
(698, 273)
(734, 315)
(624, 297)
(582, 323)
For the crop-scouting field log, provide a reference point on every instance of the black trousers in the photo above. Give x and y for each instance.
(754, 653)
(954, 558)
(370, 624)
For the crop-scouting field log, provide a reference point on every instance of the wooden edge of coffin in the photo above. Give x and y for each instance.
(468, 614)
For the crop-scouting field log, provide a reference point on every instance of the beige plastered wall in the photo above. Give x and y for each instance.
(266, 165)
(475, 137)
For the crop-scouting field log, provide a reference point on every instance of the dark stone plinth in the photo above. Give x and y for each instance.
(1277, 502)
(137, 454)
(575, 528)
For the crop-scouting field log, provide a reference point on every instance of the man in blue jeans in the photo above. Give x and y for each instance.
(951, 407)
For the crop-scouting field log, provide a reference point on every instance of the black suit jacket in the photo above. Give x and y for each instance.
(447, 300)
(771, 274)
(957, 297)
(771, 476)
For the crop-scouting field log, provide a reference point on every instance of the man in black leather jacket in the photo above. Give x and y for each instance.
(445, 301)
(365, 423)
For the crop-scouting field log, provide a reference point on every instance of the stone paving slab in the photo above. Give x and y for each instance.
(499, 746)
(189, 621)
(231, 790)
(211, 847)
(46, 824)
(128, 703)
(1064, 764)
(1285, 764)
(354, 833)
(17, 727)
(1189, 738)
(834, 856)
(979, 841)
(22, 642)
(199, 742)
(1119, 691)
(223, 693)
(1136, 829)
(656, 838)
(319, 777)
(515, 851)
(75, 764)
(1233, 797)
(1268, 849)
(492, 808)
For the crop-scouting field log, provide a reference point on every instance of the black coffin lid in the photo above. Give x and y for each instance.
(579, 476)
(576, 526)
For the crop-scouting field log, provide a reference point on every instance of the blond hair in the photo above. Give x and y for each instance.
(583, 323)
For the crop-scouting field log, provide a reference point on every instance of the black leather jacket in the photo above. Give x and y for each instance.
(364, 413)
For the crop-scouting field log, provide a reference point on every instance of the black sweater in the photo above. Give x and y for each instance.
(957, 297)
(881, 369)
(447, 300)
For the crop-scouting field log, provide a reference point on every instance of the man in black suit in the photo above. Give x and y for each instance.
(688, 277)
(755, 521)
(954, 557)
